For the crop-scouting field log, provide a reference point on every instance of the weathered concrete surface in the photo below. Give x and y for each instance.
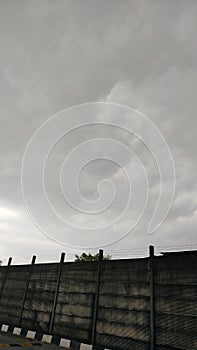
(7, 340)
(124, 308)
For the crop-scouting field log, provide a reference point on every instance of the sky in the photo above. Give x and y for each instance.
(98, 126)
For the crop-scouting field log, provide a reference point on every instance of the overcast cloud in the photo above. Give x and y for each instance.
(57, 54)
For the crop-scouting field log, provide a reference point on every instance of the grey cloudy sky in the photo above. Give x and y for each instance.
(57, 54)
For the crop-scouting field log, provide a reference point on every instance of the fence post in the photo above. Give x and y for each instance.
(96, 300)
(26, 290)
(56, 293)
(5, 276)
(152, 298)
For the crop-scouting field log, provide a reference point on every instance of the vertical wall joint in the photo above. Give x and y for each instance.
(26, 289)
(5, 276)
(56, 293)
(152, 297)
(96, 300)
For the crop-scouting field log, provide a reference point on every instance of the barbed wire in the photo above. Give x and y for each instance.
(121, 253)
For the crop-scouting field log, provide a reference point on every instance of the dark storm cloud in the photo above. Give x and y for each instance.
(139, 53)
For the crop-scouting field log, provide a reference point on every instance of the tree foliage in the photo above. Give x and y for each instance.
(89, 257)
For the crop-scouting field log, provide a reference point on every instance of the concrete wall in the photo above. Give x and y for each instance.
(176, 301)
(123, 315)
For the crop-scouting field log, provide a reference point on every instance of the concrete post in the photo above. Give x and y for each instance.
(5, 276)
(96, 300)
(152, 298)
(26, 290)
(56, 293)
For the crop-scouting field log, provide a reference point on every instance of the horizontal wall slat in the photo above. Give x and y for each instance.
(176, 321)
(120, 343)
(124, 315)
(179, 340)
(122, 330)
(134, 303)
(176, 306)
(117, 288)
